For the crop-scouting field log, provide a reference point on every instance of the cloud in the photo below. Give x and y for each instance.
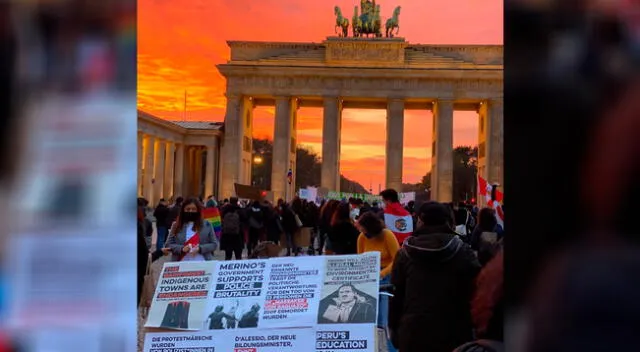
(180, 44)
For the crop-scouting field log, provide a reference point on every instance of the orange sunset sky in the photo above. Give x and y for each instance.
(180, 42)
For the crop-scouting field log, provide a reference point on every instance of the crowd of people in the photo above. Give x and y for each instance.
(442, 260)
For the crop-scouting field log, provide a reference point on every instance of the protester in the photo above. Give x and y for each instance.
(463, 220)
(312, 220)
(175, 210)
(231, 239)
(375, 238)
(256, 225)
(433, 276)
(396, 218)
(343, 234)
(273, 224)
(484, 238)
(192, 238)
(143, 252)
(488, 302)
(326, 214)
(289, 225)
(162, 215)
(298, 208)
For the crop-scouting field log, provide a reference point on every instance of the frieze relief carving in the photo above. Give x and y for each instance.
(365, 52)
(277, 83)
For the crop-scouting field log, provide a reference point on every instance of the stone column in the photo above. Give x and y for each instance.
(210, 172)
(442, 152)
(158, 171)
(178, 182)
(147, 184)
(139, 166)
(395, 144)
(198, 168)
(169, 170)
(331, 127)
(496, 136)
(490, 144)
(231, 161)
(281, 147)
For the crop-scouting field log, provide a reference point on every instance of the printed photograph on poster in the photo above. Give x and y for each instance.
(347, 305)
(350, 289)
(181, 297)
(234, 314)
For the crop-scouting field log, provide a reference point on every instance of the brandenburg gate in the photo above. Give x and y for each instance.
(361, 72)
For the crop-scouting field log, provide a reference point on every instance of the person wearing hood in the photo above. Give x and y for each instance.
(433, 275)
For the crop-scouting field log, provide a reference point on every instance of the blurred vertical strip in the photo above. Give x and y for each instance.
(68, 136)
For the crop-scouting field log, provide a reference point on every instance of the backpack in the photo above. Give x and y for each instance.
(231, 223)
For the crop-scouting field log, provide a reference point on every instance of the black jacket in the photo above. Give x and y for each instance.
(163, 216)
(344, 238)
(433, 274)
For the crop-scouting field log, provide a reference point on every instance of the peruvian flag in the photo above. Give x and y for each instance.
(399, 221)
(484, 188)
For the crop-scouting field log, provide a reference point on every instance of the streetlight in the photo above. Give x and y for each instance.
(257, 159)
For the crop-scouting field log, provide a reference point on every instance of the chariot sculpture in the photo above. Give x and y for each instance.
(366, 21)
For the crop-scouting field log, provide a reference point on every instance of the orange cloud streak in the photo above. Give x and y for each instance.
(179, 44)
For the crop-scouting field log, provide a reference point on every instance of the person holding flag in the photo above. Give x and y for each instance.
(493, 198)
(396, 217)
(211, 213)
(191, 237)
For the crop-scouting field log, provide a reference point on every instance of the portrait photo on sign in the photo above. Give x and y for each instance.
(234, 314)
(347, 305)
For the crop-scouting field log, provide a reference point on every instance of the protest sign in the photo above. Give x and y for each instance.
(350, 289)
(346, 338)
(182, 295)
(237, 298)
(293, 292)
(273, 340)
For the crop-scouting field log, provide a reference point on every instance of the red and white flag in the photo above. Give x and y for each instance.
(399, 221)
(484, 188)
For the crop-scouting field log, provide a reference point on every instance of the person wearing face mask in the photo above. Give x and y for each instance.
(375, 238)
(191, 238)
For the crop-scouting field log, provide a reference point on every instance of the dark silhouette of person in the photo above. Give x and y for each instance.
(250, 318)
(215, 318)
(176, 315)
(347, 305)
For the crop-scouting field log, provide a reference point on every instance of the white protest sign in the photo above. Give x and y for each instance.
(350, 281)
(293, 292)
(182, 296)
(272, 340)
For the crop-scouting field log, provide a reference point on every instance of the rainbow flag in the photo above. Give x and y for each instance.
(213, 216)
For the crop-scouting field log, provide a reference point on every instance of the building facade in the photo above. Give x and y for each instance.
(177, 158)
(380, 73)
